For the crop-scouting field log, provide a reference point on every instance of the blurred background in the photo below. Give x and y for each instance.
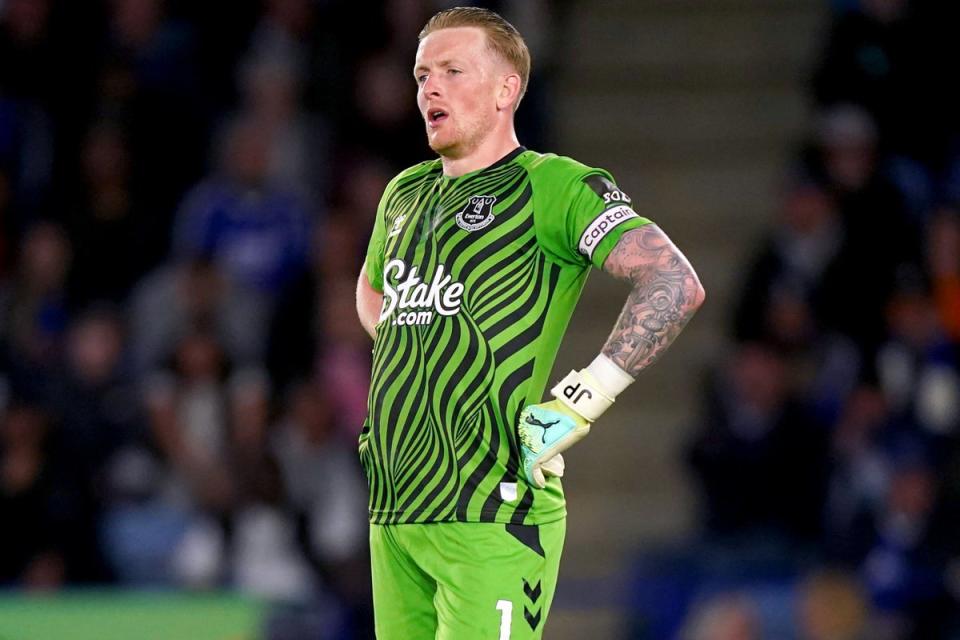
(186, 192)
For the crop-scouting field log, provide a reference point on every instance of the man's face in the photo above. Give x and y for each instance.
(457, 82)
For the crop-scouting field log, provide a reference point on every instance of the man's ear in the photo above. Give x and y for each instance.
(509, 92)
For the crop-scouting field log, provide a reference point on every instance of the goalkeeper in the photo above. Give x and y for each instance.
(476, 261)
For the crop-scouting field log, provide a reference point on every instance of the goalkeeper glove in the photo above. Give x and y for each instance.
(549, 428)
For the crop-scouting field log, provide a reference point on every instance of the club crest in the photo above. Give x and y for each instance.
(477, 214)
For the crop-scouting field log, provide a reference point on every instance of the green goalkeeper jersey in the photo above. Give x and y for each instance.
(480, 275)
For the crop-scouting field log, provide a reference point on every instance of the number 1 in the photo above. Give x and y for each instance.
(506, 612)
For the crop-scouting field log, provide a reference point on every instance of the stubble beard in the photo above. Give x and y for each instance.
(465, 140)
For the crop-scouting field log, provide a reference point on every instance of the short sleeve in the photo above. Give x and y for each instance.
(375, 247)
(585, 213)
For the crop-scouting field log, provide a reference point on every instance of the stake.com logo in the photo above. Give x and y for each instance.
(417, 300)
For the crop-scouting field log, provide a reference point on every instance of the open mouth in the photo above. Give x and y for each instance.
(436, 116)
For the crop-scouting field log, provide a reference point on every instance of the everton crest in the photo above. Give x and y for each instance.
(477, 214)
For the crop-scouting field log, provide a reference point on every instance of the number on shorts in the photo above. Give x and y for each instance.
(506, 613)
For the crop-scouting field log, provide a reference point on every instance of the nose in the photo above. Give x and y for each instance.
(430, 86)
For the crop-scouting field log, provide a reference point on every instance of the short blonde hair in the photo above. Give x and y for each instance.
(502, 37)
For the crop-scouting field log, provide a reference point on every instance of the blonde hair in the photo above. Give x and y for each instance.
(502, 37)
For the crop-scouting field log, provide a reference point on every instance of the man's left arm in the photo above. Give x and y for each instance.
(666, 293)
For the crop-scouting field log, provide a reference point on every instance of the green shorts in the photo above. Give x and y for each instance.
(464, 580)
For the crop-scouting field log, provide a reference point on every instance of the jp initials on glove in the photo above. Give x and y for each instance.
(549, 428)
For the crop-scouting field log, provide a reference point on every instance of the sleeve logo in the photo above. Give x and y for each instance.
(602, 225)
(610, 193)
(477, 214)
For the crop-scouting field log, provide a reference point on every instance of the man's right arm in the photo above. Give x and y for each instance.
(369, 302)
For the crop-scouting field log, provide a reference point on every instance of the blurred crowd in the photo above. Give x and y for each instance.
(828, 446)
(186, 191)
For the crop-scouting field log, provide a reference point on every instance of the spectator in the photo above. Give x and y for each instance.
(28, 553)
(29, 103)
(299, 142)
(724, 617)
(356, 194)
(790, 294)
(255, 232)
(178, 297)
(879, 240)
(758, 456)
(832, 606)
(255, 471)
(310, 333)
(307, 35)
(26, 149)
(874, 58)
(116, 239)
(383, 119)
(148, 76)
(943, 612)
(900, 571)
(51, 43)
(187, 408)
(188, 419)
(323, 480)
(943, 265)
(917, 366)
(792, 268)
(264, 558)
(96, 412)
(285, 30)
(35, 311)
(25, 36)
(859, 476)
(296, 330)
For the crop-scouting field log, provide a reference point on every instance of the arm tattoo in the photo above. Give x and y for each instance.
(666, 293)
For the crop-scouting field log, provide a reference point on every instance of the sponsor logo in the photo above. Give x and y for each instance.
(604, 188)
(602, 225)
(415, 300)
(533, 594)
(616, 196)
(543, 425)
(477, 214)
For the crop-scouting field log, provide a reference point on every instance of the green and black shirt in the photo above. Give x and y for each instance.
(480, 275)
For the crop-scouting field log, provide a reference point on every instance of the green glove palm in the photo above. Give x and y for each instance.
(545, 431)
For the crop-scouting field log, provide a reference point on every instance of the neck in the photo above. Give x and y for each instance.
(494, 147)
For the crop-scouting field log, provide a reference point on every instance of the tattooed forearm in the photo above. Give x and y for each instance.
(666, 293)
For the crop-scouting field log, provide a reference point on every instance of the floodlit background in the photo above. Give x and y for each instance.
(186, 191)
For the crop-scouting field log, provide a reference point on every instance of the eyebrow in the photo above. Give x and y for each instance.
(442, 63)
